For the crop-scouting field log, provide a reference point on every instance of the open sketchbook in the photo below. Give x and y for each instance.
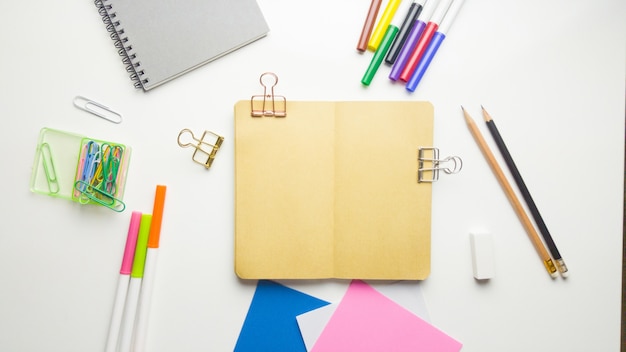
(331, 191)
(161, 40)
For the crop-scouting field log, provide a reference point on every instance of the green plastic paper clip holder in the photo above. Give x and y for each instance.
(82, 169)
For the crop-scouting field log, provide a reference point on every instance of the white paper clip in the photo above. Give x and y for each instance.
(97, 109)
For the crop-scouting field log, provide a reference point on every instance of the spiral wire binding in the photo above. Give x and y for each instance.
(129, 59)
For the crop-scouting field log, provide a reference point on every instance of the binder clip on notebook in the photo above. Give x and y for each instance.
(430, 164)
(268, 104)
(205, 148)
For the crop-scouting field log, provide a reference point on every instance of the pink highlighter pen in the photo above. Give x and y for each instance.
(123, 282)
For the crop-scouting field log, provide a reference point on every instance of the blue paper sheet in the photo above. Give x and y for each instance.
(271, 324)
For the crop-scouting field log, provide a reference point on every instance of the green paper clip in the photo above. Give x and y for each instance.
(89, 194)
(49, 170)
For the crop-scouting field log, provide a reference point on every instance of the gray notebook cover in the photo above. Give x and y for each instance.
(160, 40)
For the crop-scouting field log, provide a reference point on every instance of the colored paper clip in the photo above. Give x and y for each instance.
(110, 168)
(90, 164)
(429, 164)
(271, 105)
(97, 175)
(90, 193)
(204, 152)
(97, 109)
(80, 167)
(49, 170)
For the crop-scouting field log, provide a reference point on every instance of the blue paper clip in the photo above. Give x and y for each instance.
(92, 158)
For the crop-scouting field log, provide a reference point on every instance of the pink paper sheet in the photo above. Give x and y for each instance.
(366, 320)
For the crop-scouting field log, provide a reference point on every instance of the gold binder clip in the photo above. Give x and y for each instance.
(429, 164)
(205, 151)
(268, 104)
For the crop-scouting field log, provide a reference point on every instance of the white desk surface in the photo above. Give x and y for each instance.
(551, 73)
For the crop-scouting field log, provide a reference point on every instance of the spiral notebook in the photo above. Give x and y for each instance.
(161, 40)
(333, 190)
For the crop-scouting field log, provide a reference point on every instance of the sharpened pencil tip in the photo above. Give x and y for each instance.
(486, 115)
(468, 119)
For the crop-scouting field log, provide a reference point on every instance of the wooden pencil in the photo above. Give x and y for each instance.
(521, 185)
(508, 190)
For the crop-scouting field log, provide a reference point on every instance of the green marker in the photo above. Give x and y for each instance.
(142, 247)
(379, 54)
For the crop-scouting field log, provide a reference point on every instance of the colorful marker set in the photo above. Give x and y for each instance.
(128, 327)
(409, 43)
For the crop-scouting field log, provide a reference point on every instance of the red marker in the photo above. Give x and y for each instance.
(422, 44)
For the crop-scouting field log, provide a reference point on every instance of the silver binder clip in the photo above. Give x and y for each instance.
(268, 104)
(430, 164)
(204, 152)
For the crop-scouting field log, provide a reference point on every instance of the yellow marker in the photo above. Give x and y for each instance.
(383, 23)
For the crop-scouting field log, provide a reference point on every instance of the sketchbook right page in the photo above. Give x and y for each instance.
(382, 214)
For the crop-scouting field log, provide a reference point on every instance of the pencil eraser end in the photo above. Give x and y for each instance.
(560, 265)
(482, 256)
(554, 275)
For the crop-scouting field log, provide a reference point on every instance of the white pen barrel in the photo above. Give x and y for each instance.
(118, 310)
(128, 322)
(145, 299)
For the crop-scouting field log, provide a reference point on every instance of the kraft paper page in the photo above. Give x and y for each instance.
(331, 191)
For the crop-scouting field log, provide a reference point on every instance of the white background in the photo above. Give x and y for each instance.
(551, 73)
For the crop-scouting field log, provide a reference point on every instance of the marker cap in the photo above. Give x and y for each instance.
(131, 242)
(140, 250)
(157, 217)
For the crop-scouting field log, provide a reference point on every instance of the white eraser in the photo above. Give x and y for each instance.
(482, 255)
